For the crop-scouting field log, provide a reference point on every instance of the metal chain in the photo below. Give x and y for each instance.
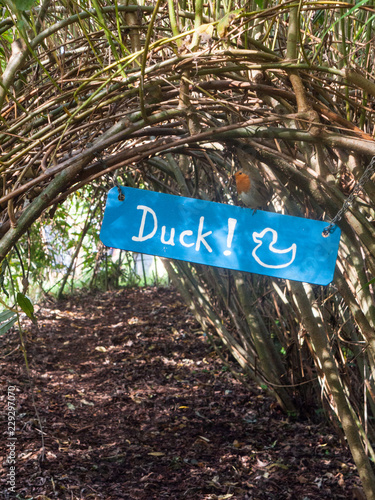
(121, 196)
(99, 157)
(349, 200)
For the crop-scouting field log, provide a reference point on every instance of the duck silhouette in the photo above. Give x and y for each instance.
(268, 256)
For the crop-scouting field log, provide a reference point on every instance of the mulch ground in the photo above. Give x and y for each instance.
(134, 404)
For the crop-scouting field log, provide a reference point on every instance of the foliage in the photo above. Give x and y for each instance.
(44, 254)
(176, 99)
(7, 320)
(26, 306)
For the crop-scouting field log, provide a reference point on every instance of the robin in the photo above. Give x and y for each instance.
(252, 192)
(250, 184)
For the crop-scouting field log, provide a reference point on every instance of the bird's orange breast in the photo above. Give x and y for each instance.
(243, 182)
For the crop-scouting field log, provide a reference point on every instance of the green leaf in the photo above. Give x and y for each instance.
(8, 325)
(26, 306)
(371, 282)
(24, 4)
(224, 23)
(5, 315)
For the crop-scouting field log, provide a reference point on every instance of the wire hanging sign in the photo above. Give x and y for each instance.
(366, 176)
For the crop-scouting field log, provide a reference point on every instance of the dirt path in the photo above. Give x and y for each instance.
(135, 405)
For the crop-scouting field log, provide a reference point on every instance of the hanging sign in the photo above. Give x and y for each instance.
(220, 235)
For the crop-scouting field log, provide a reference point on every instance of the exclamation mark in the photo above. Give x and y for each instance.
(231, 225)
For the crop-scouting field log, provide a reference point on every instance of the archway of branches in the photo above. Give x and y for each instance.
(176, 100)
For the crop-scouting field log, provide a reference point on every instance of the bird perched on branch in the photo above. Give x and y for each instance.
(250, 184)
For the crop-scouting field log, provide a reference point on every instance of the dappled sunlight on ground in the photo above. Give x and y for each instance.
(135, 404)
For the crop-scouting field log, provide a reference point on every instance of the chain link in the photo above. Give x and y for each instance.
(121, 196)
(349, 200)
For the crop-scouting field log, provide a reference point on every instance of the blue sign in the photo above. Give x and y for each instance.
(220, 235)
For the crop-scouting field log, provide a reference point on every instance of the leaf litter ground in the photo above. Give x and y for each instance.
(135, 404)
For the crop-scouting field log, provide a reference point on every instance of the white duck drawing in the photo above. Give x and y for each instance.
(271, 252)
